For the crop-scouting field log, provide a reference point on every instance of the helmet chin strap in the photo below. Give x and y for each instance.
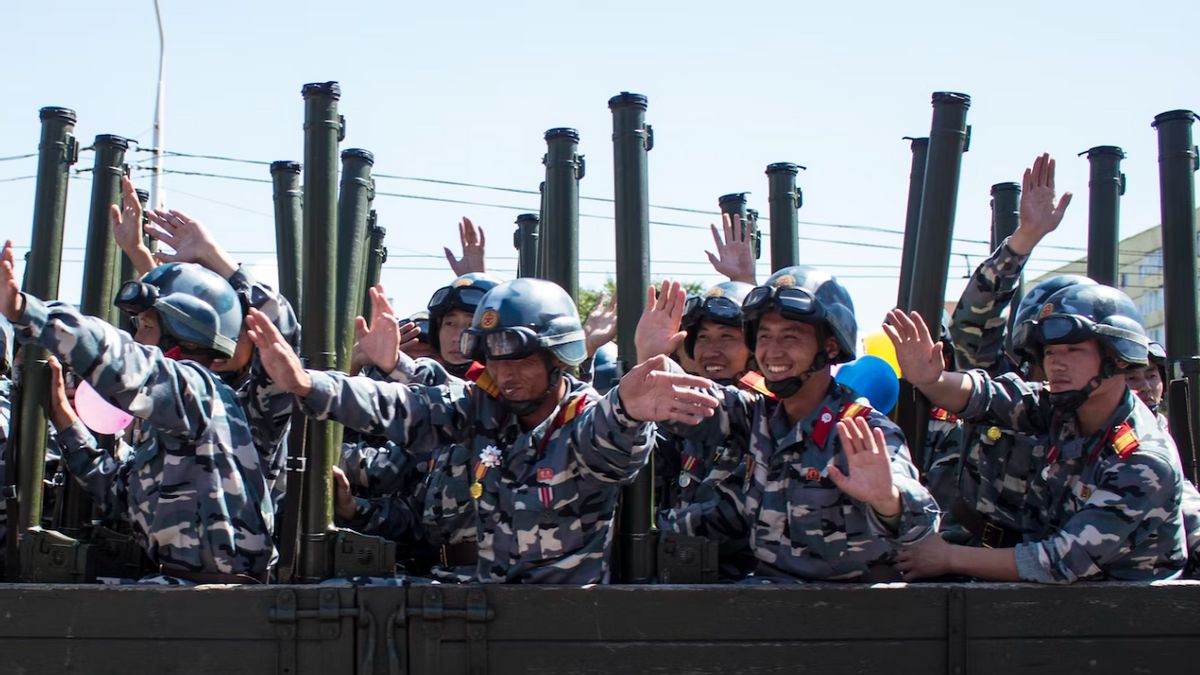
(1069, 401)
(789, 386)
(523, 408)
(458, 370)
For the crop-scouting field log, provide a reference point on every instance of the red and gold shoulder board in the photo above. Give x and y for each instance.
(1124, 440)
(942, 415)
(478, 374)
(572, 409)
(753, 381)
(853, 409)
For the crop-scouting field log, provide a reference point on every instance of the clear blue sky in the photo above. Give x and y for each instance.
(463, 91)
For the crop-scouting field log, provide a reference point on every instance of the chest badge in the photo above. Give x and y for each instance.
(545, 474)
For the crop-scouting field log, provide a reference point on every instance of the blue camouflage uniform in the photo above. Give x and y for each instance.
(542, 500)
(773, 485)
(1104, 506)
(194, 488)
(997, 462)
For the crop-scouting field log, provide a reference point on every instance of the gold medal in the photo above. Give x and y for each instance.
(476, 490)
(993, 433)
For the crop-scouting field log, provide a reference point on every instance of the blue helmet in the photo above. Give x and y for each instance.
(1093, 311)
(463, 293)
(606, 372)
(421, 320)
(195, 305)
(521, 317)
(1020, 339)
(721, 304)
(808, 295)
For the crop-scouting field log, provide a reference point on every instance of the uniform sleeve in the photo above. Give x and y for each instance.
(268, 408)
(977, 326)
(417, 417)
(422, 371)
(1127, 492)
(377, 469)
(718, 509)
(1007, 401)
(396, 517)
(176, 396)
(94, 468)
(610, 445)
(729, 422)
(919, 513)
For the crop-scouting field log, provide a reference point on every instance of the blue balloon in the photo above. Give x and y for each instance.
(871, 377)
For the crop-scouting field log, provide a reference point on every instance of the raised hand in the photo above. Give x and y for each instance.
(12, 303)
(651, 392)
(62, 415)
(380, 342)
(735, 252)
(126, 223)
(1040, 215)
(658, 328)
(601, 325)
(870, 466)
(276, 355)
(920, 358)
(473, 245)
(190, 240)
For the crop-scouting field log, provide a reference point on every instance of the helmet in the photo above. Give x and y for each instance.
(421, 319)
(721, 304)
(808, 295)
(1080, 312)
(463, 293)
(1158, 356)
(1020, 342)
(606, 372)
(6, 345)
(520, 317)
(195, 305)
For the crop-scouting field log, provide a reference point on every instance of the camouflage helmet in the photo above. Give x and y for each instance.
(194, 304)
(722, 304)
(524, 316)
(805, 294)
(1020, 342)
(606, 372)
(1094, 311)
(463, 293)
(6, 345)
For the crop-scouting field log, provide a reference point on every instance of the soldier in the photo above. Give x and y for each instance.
(1147, 383)
(815, 504)
(944, 440)
(194, 488)
(450, 311)
(998, 463)
(1107, 503)
(536, 462)
(6, 384)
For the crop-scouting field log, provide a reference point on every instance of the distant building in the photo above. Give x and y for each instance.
(1140, 275)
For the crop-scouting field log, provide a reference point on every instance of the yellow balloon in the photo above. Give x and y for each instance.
(879, 344)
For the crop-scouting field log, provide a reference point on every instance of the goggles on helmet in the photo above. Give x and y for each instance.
(136, 297)
(1060, 329)
(792, 302)
(509, 343)
(448, 297)
(716, 307)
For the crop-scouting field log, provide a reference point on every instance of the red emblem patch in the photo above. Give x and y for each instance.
(811, 473)
(489, 319)
(545, 474)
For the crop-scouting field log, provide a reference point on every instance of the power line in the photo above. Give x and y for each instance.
(15, 157)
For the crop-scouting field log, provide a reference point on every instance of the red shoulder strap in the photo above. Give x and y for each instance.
(753, 381)
(478, 374)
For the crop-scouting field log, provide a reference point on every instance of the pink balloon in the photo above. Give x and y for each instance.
(97, 414)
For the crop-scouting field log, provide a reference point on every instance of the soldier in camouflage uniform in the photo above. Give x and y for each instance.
(1148, 383)
(538, 461)
(6, 385)
(943, 441)
(194, 488)
(450, 311)
(1107, 503)
(821, 484)
(998, 463)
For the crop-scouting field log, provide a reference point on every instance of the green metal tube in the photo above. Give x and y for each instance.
(947, 141)
(912, 219)
(376, 257)
(353, 211)
(322, 131)
(785, 200)
(57, 151)
(1006, 216)
(560, 213)
(1177, 162)
(100, 270)
(1105, 188)
(285, 181)
(632, 139)
(734, 204)
(525, 240)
